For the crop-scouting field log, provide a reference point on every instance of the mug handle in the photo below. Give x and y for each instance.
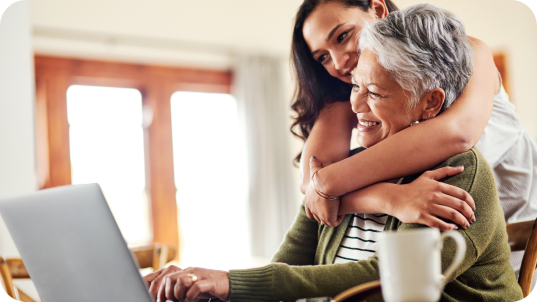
(459, 256)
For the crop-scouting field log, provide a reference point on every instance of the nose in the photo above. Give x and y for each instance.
(340, 62)
(358, 103)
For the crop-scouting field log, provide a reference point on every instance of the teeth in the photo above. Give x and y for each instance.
(369, 124)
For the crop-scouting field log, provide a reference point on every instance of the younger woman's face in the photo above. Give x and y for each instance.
(331, 33)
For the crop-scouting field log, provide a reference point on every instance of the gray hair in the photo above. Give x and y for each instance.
(422, 47)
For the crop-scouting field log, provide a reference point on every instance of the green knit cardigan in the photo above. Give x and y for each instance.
(303, 265)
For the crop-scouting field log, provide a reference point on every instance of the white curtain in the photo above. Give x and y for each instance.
(258, 87)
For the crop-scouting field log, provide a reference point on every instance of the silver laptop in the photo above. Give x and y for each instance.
(72, 246)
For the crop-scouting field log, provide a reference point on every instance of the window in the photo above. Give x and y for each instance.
(67, 108)
(106, 141)
(211, 179)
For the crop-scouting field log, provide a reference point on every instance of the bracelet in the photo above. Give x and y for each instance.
(323, 195)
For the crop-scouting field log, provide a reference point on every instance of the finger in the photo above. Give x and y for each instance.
(181, 286)
(459, 205)
(315, 165)
(459, 193)
(161, 296)
(202, 286)
(451, 215)
(317, 218)
(153, 275)
(461, 214)
(331, 221)
(435, 222)
(169, 287)
(339, 219)
(443, 172)
(156, 283)
(308, 212)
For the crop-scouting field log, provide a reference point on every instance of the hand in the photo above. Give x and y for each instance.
(154, 280)
(323, 210)
(426, 201)
(178, 286)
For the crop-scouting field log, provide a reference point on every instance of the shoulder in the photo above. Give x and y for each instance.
(476, 170)
(479, 46)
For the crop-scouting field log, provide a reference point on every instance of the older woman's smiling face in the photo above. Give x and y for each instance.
(379, 102)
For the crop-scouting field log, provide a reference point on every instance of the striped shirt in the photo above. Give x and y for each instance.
(360, 241)
(361, 237)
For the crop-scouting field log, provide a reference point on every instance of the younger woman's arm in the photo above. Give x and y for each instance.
(425, 145)
(329, 139)
(423, 201)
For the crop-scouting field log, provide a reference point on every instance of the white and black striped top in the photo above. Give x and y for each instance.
(360, 241)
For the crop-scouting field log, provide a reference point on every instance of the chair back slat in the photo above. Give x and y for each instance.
(518, 234)
(529, 262)
(7, 281)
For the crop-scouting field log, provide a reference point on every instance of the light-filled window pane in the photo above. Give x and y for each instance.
(107, 147)
(211, 180)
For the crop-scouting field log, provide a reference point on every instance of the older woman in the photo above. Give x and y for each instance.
(413, 65)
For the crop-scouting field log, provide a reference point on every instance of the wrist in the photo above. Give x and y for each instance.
(320, 192)
(391, 202)
(322, 183)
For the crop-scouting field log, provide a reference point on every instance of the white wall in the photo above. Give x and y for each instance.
(17, 152)
(181, 32)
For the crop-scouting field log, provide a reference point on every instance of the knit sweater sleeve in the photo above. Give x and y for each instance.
(292, 274)
(283, 282)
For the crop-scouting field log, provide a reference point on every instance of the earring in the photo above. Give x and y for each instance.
(414, 123)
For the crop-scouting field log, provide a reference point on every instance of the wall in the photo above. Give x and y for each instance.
(202, 32)
(17, 154)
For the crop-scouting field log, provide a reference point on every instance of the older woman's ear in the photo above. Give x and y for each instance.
(432, 103)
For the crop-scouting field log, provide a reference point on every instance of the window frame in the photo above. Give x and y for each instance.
(53, 77)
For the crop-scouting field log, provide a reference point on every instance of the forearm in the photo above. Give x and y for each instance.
(373, 199)
(425, 145)
(281, 282)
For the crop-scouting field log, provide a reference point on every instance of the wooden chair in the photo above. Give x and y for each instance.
(151, 256)
(522, 236)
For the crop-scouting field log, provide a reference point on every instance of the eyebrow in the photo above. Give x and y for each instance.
(373, 84)
(333, 31)
(330, 34)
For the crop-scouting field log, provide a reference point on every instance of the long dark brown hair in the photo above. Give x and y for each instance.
(315, 87)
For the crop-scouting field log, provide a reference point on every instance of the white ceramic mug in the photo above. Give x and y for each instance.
(410, 264)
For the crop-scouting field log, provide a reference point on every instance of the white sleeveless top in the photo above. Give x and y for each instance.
(512, 154)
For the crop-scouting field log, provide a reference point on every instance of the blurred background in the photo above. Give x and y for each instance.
(180, 111)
